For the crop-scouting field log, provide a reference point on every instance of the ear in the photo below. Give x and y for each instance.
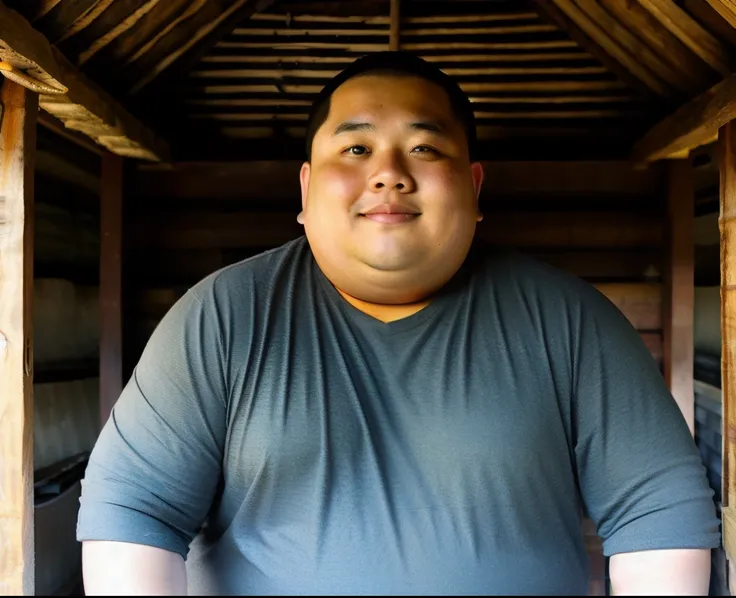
(304, 181)
(476, 170)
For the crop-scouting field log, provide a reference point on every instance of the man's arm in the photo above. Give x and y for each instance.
(661, 573)
(125, 569)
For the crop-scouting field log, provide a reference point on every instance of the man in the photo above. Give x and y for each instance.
(385, 408)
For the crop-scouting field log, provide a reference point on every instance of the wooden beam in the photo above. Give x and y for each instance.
(690, 33)
(593, 39)
(17, 144)
(727, 227)
(190, 229)
(183, 48)
(83, 106)
(727, 10)
(694, 124)
(111, 330)
(679, 289)
(395, 26)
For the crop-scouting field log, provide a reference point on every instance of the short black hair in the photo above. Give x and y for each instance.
(400, 64)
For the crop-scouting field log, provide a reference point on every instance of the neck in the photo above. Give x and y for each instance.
(385, 312)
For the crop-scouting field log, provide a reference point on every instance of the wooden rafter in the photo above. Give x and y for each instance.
(693, 125)
(725, 8)
(395, 31)
(680, 24)
(589, 36)
(83, 106)
(181, 47)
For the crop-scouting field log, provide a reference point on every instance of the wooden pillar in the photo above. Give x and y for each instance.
(679, 288)
(727, 226)
(17, 147)
(395, 29)
(111, 320)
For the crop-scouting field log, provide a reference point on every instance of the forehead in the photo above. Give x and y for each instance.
(380, 94)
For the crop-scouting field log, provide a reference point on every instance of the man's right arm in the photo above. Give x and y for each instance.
(125, 569)
(154, 471)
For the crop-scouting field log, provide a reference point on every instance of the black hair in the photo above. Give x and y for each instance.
(401, 64)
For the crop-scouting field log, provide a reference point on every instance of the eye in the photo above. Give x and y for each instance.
(356, 150)
(424, 150)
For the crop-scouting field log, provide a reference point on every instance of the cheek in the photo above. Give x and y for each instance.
(447, 190)
(337, 184)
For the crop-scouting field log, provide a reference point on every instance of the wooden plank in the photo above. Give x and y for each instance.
(680, 289)
(395, 25)
(695, 74)
(589, 36)
(361, 48)
(17, 143)
(727, 10)
(111, 332)
(266, 180)
(119, 29)
(84, 106)
(184, 45)
(303, 59)
(618, 38)
(279, 74)
(200, 229)
(690, 33)
(469, 88)
(694, 124)
(727, 227)
(489, 31)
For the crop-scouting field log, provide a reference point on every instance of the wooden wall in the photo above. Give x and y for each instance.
(602, 221)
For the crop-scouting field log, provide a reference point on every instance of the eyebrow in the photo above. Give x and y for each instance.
(351, 127)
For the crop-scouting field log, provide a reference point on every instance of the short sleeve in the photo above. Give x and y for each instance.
(155, 468)
(641, 477)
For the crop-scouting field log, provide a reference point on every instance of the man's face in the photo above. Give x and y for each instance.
(389, 196)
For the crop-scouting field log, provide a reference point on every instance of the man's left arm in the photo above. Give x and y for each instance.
(683, 572)
(640, 473)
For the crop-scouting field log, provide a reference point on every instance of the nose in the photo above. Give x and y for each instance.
(391, 173)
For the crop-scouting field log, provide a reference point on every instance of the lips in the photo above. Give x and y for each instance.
(388, 213)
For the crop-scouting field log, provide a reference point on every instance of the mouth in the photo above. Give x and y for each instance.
(391, 214)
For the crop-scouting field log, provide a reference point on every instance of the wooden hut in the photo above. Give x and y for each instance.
(168, 144)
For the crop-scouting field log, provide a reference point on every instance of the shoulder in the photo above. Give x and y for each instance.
(255, 275)
(510, 270)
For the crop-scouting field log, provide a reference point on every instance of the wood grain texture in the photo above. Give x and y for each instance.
(592, 38)
(85, 107)
(679, 291)
(727, 228)
(17, 145)
(111, 326)
(694, 124)
(690, 32)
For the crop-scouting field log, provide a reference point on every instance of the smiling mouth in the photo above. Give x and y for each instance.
(391, 214)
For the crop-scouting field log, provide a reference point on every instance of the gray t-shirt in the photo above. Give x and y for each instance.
(303, 447)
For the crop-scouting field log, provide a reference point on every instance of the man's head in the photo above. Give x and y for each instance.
(389, 193)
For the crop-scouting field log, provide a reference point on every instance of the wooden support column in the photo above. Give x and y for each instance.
(17, 146)
(111, 321)
(394, 42)
(679, 288)
(727, 226)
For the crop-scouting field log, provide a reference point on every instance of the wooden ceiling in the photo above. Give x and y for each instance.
(234, 79)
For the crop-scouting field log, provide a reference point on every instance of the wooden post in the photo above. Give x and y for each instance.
(727, 226)
(679, 288)
(111, 325)
(17, 145)
(395, 32)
